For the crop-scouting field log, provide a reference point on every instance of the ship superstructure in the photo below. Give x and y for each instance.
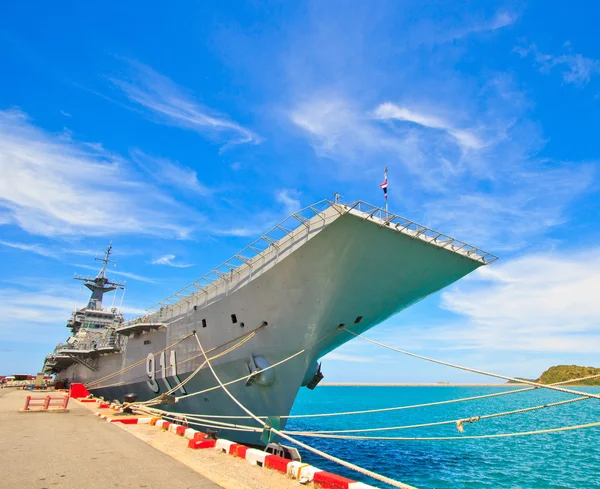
(93, 327)
(326, 268)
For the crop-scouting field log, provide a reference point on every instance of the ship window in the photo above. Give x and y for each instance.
(242, 325)
(204, 323)
(147, 342)
(233, 318)
(195, 308)
(358, 319)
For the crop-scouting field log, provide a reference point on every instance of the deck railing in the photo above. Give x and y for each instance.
(301, 218)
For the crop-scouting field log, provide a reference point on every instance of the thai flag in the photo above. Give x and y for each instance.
(384, 184)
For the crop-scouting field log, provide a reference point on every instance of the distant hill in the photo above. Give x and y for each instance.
(559, 373)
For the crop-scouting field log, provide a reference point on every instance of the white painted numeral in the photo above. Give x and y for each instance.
(173, 362)
(163, 369)
(150, 371)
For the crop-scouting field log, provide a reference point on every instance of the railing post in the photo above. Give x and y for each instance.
(65, 402)
(47, 403)
(27, 401)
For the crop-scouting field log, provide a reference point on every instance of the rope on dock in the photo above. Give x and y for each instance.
(348, 465)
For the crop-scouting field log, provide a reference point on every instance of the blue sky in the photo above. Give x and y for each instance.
(181, 134)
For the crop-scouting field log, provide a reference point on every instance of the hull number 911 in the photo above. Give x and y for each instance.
(151, 371)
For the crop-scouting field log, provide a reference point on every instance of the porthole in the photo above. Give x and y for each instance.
(358, 319)
(233, 318)
(204, 323)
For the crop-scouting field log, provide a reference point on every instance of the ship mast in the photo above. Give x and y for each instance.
(100, 285)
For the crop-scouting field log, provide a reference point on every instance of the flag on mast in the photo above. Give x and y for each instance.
(384, 184)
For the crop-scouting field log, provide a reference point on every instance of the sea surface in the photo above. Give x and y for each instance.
(559, 460)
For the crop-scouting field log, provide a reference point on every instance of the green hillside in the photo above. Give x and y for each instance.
(559, 373)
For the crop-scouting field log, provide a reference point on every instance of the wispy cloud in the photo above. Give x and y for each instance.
(439, 30)
(484, 185)
(289, 198)
(341, 130)
(52, 186)
(169, 260)
(174, 105)
(41, 314)
(347, 358)
(165, 171)
(515, 210)
(575, 68)
(390, 111)
(32, 248)
(133, 276)
(502, 18)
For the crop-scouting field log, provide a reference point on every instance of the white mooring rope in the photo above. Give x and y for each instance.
(474, 370)
(349, 465)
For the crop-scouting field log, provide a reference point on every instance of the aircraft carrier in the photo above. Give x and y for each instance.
(327, 267)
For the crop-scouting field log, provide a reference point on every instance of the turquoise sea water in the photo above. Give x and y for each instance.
(560, 460)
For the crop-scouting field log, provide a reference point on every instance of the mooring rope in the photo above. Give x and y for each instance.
(474, 370)
(397, 408)
(93, 383)
(349, 465)
(451, 438)
(257, 372)
(140, 362)
(193, 374)
(458, 422)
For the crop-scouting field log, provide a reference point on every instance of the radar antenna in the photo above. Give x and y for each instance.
(100, 285)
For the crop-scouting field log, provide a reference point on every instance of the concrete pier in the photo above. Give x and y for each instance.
(75, 450)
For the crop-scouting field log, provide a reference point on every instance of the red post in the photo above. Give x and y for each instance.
(65, 402)
(47, 403)
(27, 401)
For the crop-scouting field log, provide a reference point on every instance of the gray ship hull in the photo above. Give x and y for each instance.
(346, 269)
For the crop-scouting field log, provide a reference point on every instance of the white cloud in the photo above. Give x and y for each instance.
(41, 315)
(347, 358)
(538, 303)
(515, 211)
(174, 105)
(168, 260)
(575, 68)
(54, 186)
(289, 198)
(33, 248)
(340, 130)
(464, 138)
(133, 276)
(171, 173)
(502, 19)
(483, 185)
